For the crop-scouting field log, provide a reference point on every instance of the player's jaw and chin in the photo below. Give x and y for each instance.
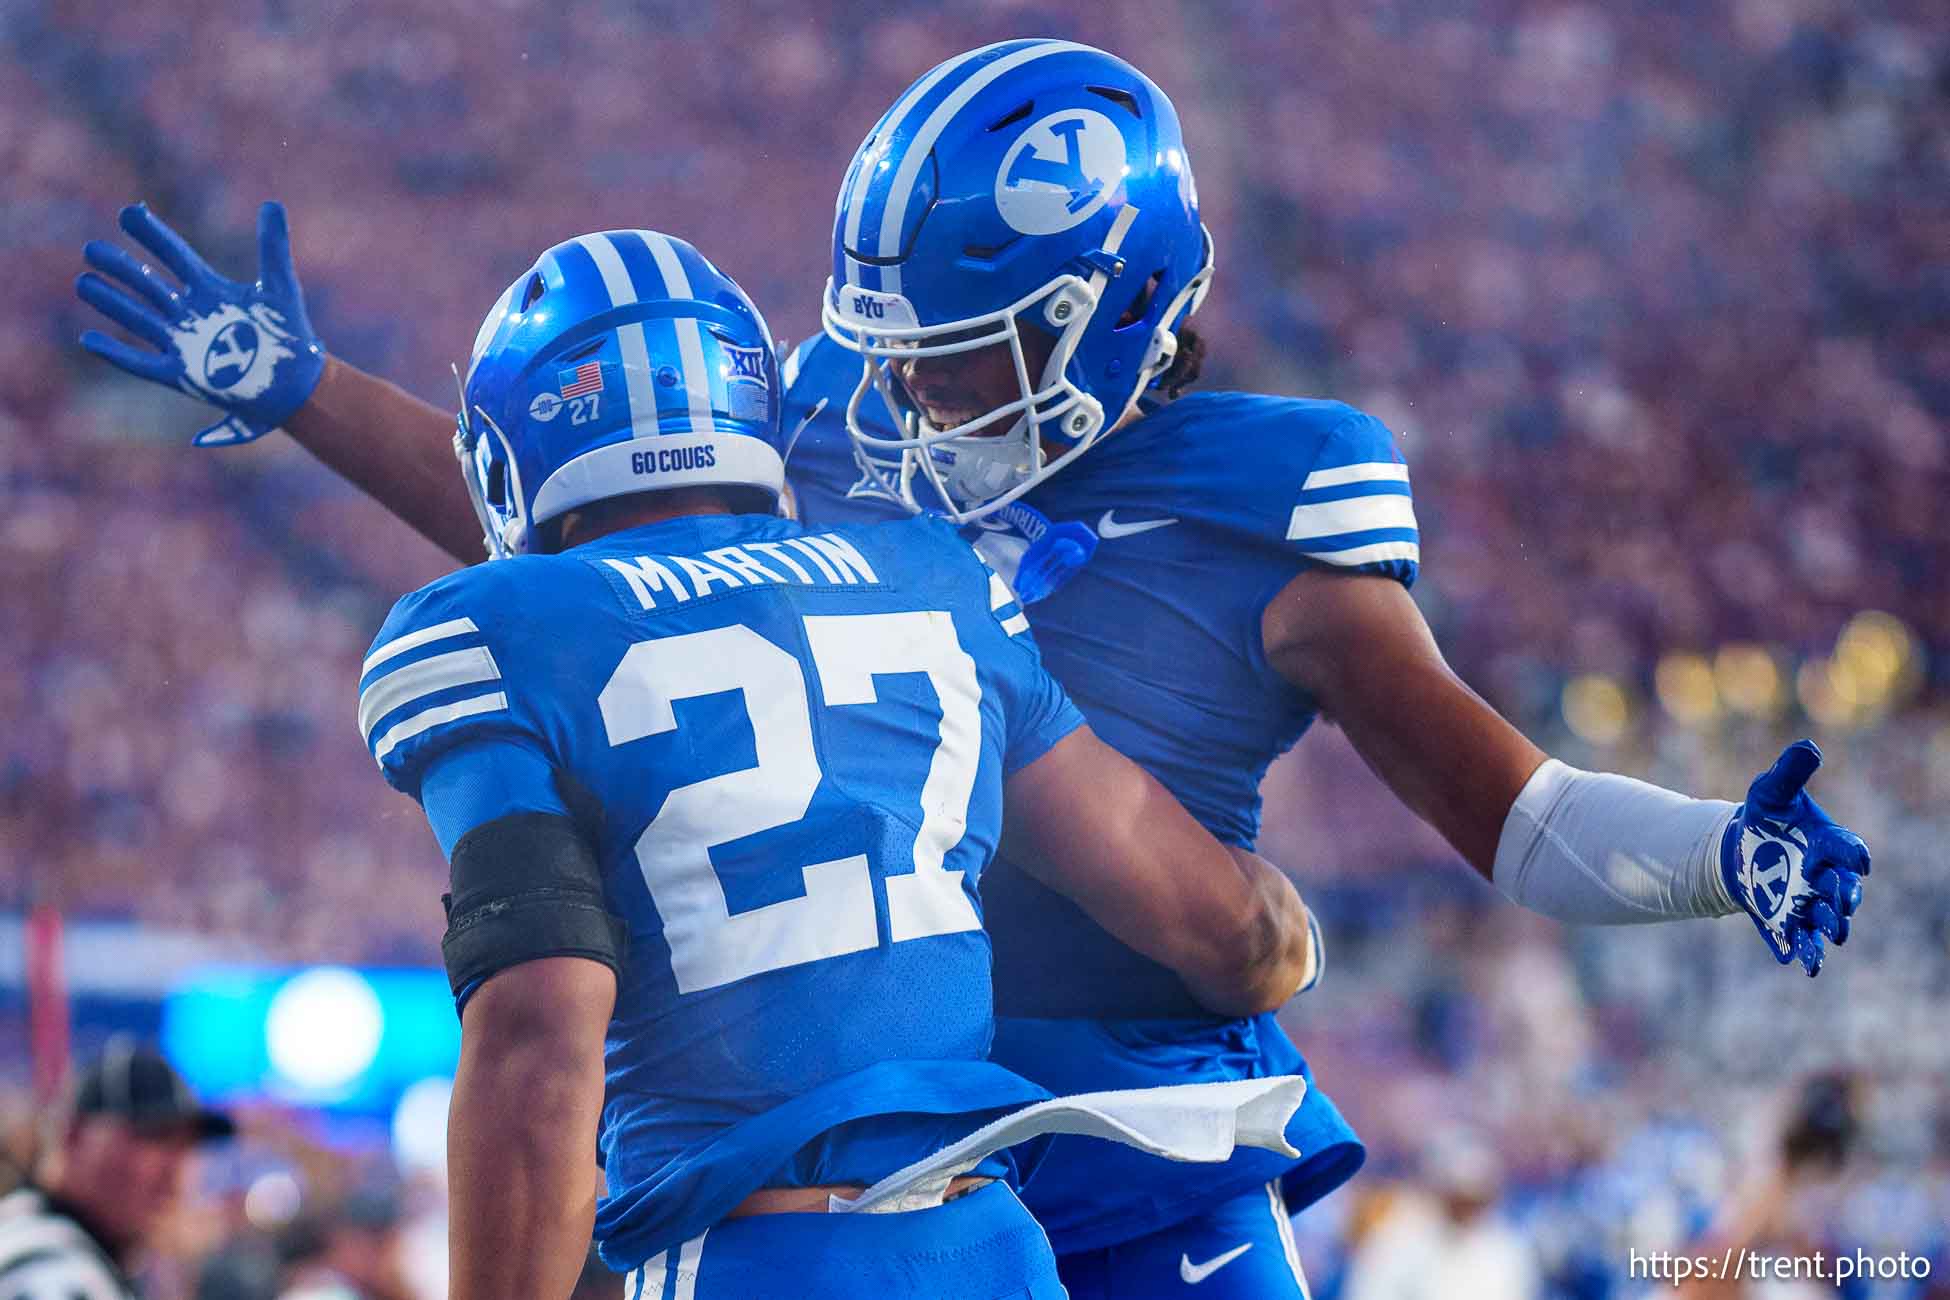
(959, 388)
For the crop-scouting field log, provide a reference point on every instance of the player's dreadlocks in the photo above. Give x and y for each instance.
(1185, 365)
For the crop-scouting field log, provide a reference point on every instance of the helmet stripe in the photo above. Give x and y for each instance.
(493, 322)
(856, 203)
(690, 337)
(917, 149)
(636, 351)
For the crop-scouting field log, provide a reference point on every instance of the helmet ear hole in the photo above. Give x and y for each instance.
(1141, 305)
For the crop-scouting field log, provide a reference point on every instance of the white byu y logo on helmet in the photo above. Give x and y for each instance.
(231, 351)
(1060, 171)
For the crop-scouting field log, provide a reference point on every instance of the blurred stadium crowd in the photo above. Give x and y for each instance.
(1658, 298)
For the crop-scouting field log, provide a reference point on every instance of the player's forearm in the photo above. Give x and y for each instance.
(1143, 868)
(395, 448)
(526, 1107)
(1269, 959)
(523, 1205)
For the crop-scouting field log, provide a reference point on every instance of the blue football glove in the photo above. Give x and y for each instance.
(247, 349)
(1789, 865)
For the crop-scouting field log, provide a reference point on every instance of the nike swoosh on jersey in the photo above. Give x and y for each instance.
(1109, 527)
(1192, 1273)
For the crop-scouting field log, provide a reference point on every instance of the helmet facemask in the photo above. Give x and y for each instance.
(978, 465)
(493, 477)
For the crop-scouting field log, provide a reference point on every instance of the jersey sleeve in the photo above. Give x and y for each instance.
(434, 682)
(1037, 711)
(475, 782)
(1347, 504)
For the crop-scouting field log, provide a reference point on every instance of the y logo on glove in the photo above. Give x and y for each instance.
(1789, 865)
(229, 358)
(1771, 859)
(231, 351)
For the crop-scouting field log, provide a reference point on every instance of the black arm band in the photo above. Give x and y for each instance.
(525, 886)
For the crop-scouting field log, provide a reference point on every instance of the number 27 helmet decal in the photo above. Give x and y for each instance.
(1028, 194)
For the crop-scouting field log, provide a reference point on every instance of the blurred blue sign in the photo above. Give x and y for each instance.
(326, 1036)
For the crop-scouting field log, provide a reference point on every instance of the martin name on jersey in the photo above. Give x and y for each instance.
(788, 749)
(1205, 508)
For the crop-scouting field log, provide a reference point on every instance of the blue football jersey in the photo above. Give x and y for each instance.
(788, 747)
(1205, 509)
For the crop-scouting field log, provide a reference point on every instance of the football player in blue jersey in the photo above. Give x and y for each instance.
(1017, 247)
(720, 788)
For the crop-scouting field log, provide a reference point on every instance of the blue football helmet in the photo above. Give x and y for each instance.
(620, 362)
(1028, 183)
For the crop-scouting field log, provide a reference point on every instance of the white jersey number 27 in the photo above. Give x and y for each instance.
(709, 944)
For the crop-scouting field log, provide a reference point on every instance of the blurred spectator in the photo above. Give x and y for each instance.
(115, 1174)
(1448, 1240)
(347, 1251)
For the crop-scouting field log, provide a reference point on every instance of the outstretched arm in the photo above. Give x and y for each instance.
(249, 351)
(1361, 648)
(1094, 826)
(1586, 847)
(393, 447)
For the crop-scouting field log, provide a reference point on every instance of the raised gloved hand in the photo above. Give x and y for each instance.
(246, 349)
(1790, 865)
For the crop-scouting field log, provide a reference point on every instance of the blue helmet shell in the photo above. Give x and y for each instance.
(621, 362)
(1030, 183)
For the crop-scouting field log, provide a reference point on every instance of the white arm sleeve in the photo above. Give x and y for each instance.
(1593, 848)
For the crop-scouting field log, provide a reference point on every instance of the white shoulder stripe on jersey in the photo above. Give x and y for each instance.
(1373, 553)
(690, 340)
(1351, 515)
(1016, 625)
(428, 719)
(1373, 471)
(789, 372)
(921, 146)
(413, 640)
(999, 593)
(422, 678)
(636, 352)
